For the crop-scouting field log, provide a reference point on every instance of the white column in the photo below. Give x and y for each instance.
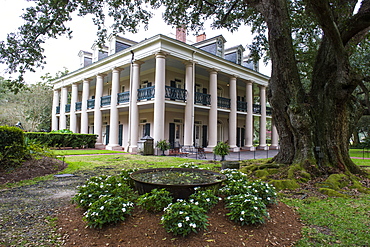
(212, 118)
(159, 105)
(97, 112)
(63, 102)
(54, 118)
(134, 109)
(189, 108)
(274, 137)
(262, 144)
(232, 115)
(249, 118)
(114, 115)
(73, 116)
(84, 114)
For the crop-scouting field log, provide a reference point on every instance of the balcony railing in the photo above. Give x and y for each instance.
(268, 111)
(105, 100)
(145, 93)
(57, 110)
(78, 106)
(123, 97)
(68, 107)
(175, 93)
(256, 109)
(202, 98)
(242, 106)
(223, 102)
(90, 103)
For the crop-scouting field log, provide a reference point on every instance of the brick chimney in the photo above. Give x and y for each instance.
(201, 37)
(181, 34)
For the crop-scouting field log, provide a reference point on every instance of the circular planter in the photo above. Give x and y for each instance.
(180, 182)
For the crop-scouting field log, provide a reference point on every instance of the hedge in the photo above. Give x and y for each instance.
(12, 148)
(63, 140)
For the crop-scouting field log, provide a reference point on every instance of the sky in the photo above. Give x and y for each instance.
(63, 52)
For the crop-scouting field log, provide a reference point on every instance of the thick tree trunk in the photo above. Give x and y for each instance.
(314, 127)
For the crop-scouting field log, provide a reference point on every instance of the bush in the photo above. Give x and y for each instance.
(108, 210)
(182, 218)
(63, 139)
(246, 209)
(12, 146)
(156, 200)
(101, 186)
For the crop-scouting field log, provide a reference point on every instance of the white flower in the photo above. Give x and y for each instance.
(181, 212)
(179, 224)
(102, 207)
(241, 219)
(187, 218)
(196, 203)
(242, 212)
(207, 199)
(193, 225)
(255, 208)
(90, 195)
(123, 209)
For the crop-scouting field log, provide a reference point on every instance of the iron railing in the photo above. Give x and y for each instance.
(268, 111)
(223, 102)
(68, 107)
(123, 97)
(90, 103)
(175, 93)
(145, 93)
(202, 98)
(78, 106)
(256, 109)
(105, 100)
(242, 106)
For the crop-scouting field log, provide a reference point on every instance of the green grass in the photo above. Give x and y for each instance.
(82, 152)
(359, 153)
(122, 161)
(334, 221)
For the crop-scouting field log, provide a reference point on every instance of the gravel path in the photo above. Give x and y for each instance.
(26, 213)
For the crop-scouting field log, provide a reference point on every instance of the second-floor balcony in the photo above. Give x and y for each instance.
(202, 98)
(90, 103)
(256, 109)
(78, 106)
(123, 97)
(105, 100)
(242, 106)
(223, 102)
(146, 93)
(175, 93)
(68, 108)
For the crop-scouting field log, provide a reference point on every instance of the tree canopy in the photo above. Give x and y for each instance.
(318, 49)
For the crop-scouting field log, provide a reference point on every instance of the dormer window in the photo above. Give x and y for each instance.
(220, 48)
(239, 57)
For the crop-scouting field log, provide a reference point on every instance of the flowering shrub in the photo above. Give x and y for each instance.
(99, 186)
(156, 200)
(125, 175)
(182, 218)
(204, 198)
(246, 209)
(107, 210)
(263, 190)
(189, 165)
(234, 175)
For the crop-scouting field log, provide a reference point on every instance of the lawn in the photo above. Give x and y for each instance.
(331, 221)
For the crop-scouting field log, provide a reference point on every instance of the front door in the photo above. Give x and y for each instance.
(204, 136)
(198, 135)
(107, 135)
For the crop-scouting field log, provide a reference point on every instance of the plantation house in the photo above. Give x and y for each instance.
(189, 94)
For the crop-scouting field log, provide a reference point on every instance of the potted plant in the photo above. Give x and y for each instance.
(221, 149)
(163, 145)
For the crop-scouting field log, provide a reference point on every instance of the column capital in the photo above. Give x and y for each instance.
(262, 87)
(87, 79)
(137, 62)
(213, 70)
(101, 74)
(119, 69)
(189, 62)
(161, 54)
